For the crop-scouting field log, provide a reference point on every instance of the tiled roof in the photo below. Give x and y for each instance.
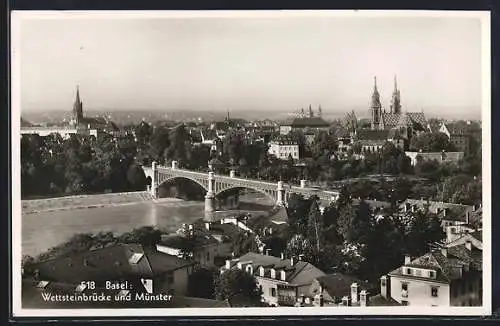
(280, 216)
(109, 263)
(414, 119)
(182, 242)
(449, 267)
(366, 134)
(101, 264)
(306, 122)
(379, 301)
(338, 284)
(301, 273)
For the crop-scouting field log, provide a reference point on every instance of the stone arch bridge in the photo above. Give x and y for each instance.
(215, 184)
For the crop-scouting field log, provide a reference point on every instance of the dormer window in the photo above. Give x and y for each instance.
(273, 273)
(249, 269)
(283, 275)
(261, 271)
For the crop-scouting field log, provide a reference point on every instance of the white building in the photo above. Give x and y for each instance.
(450, 276)
(282, 281)
(283, 148)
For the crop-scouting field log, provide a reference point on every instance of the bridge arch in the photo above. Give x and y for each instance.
(270, 194)
(173, 178)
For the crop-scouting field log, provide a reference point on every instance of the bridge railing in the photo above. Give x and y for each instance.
(322, 193)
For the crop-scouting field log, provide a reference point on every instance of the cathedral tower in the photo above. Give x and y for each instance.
(77, 108)
(396, 99)
(375, 107)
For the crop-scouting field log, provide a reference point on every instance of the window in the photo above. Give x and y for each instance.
(382, 282)
(408, 271)
(404, 303)
(273, 292)
(404, 286)
(434, 291)
(431, 274)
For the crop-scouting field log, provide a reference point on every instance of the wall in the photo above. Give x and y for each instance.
(419, 292)
(179, 282)
(467, 291)
(267, 284)
(451, 157)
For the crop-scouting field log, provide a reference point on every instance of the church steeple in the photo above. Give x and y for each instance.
(396, 98)
(375, 107)
(78, 107)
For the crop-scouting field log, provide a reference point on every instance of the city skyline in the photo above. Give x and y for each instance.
(259, 63)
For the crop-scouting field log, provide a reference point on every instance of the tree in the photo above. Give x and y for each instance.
(431, 142)
(297, 210)
(180, 145)
(238, 287)
(355, 222)
(202, 283)
(299, 245)
(147, 236)
(136, 178)
(424, 229)
(330, 223)
(315, 225)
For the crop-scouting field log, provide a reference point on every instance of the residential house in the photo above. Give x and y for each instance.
(199, 246)
(284, 147)
(461, 134)
(449, 276)
(118, 263)
(282, 281)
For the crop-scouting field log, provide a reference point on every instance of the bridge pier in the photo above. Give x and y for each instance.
(210, 196)
(154, 181)
(280, 201)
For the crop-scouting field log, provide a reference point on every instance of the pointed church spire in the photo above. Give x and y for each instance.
(77, 100)
(395, 83)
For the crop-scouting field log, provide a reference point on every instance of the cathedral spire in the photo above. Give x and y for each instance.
(396, 98)
(376, 106)
(77, 107)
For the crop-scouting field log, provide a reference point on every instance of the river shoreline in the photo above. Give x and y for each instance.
(54, 204)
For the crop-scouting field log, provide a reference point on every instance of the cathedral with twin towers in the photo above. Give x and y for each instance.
(408, 123)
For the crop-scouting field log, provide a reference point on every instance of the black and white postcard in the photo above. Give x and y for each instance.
(257, 163)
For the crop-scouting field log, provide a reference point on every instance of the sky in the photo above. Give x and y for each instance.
(251, 63)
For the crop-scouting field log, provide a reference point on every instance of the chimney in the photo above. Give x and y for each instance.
(346, 301)
(363, 298)
(207, 225)
(267, 252)
(228, 264)
(445, 210)
(301, 257)
(467, 216)
(407, 259)
(384, 287)
(354, 293)
(444, 251)
(468, 245)
(292, 261)
(282, 256)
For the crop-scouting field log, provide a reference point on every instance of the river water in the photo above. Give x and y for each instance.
(43, 230)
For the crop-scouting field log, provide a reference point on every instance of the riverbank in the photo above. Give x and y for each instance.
(88, 201)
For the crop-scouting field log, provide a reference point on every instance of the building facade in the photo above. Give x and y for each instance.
(284, 147)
